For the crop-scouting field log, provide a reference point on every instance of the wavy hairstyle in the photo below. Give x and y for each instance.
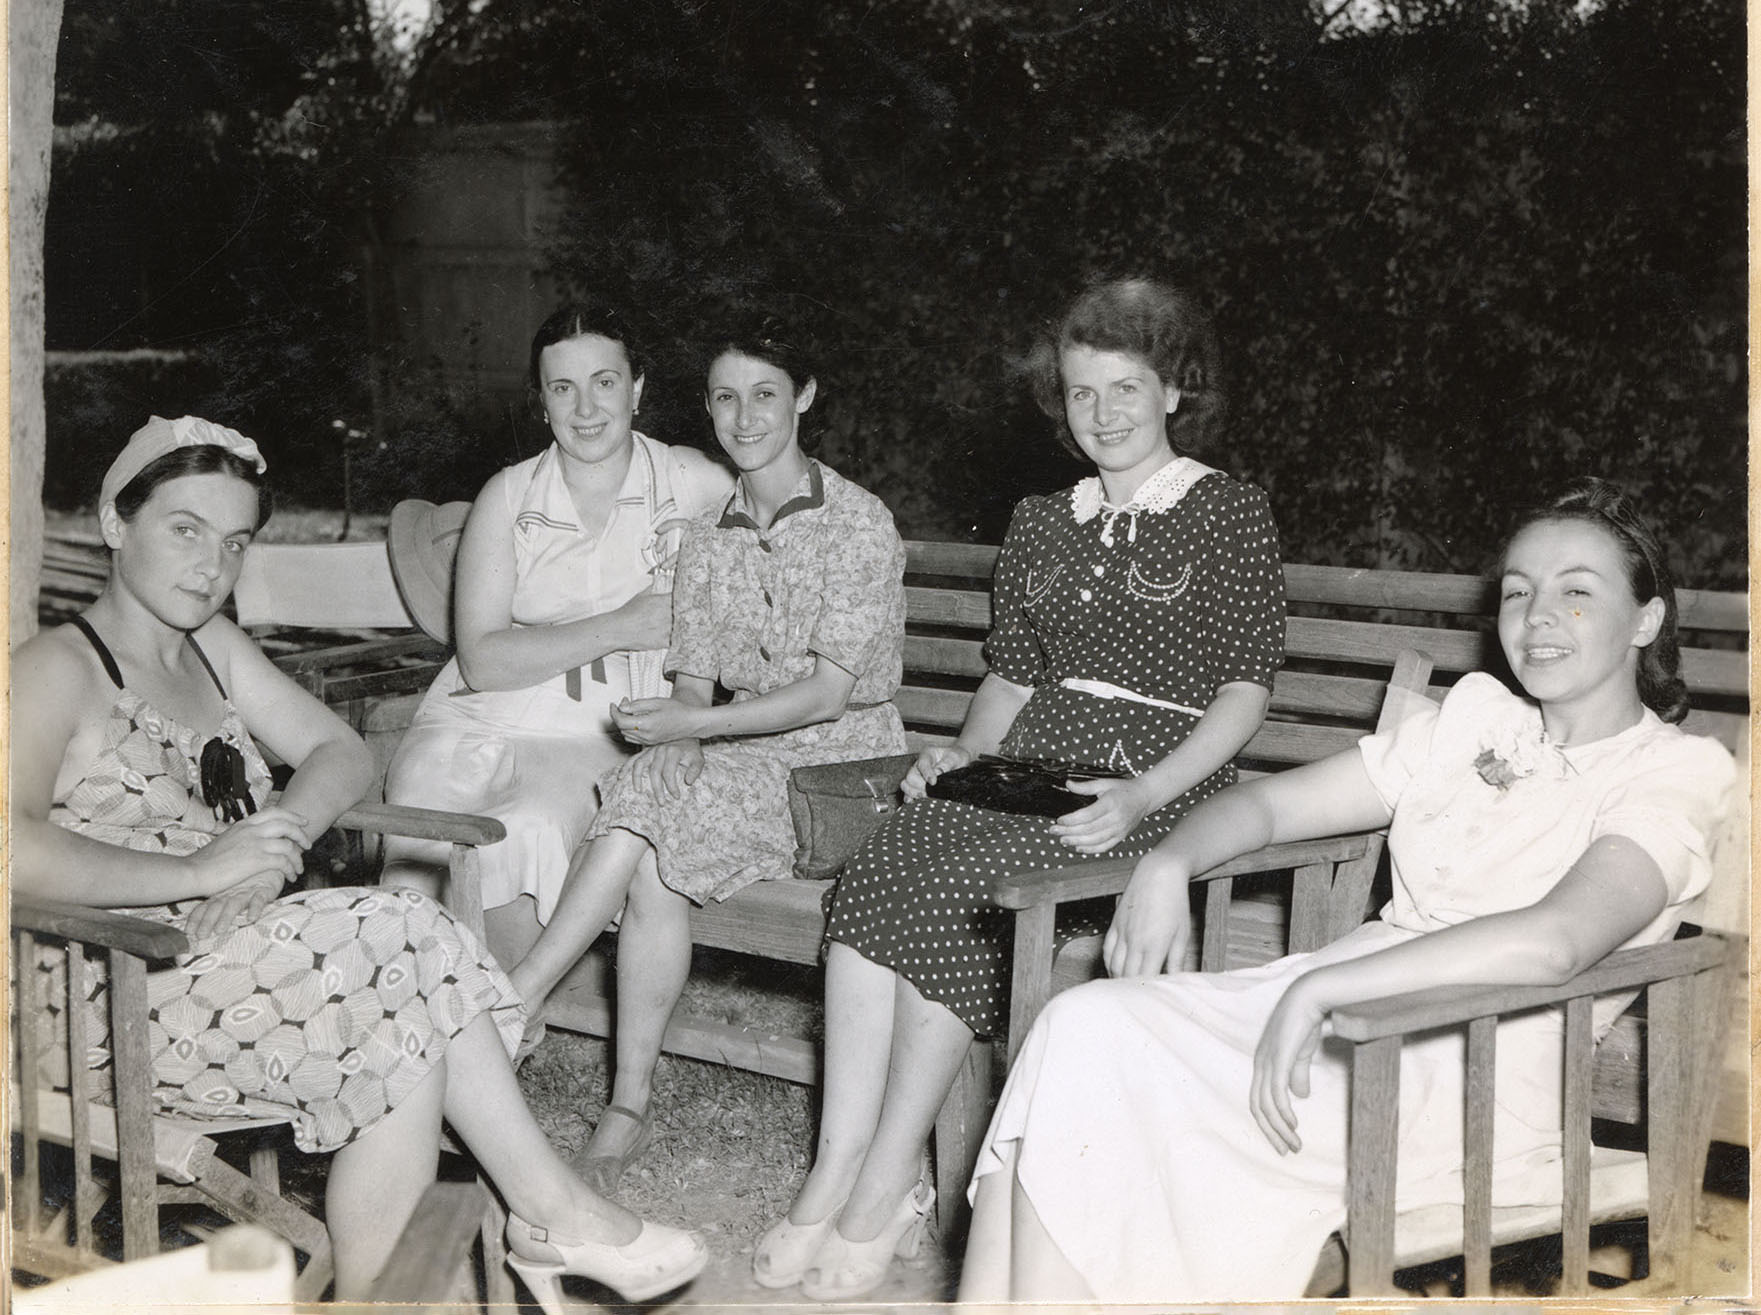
(1593, 501)
(764, 337)
(576, 319)
(1163, 326)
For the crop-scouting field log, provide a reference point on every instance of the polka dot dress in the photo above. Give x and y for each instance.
(1167, 601)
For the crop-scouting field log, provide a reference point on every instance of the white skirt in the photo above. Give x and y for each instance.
(531, 758)
(1138, 1151)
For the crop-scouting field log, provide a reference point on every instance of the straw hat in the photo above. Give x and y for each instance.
(422, 541)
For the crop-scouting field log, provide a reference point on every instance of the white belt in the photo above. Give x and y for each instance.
(1105, 690)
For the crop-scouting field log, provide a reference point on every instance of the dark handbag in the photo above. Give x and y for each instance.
(1030, 786)
(835, 806)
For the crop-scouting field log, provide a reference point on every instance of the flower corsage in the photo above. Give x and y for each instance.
(1513, 757)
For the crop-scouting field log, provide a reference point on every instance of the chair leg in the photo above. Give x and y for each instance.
(960, 1128)
(244, 1200)
(266, 1168)
(498, 1280)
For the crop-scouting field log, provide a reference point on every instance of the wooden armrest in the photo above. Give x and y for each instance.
(1441, 1006)
(415, 644)
(1107, 876)
(113, 931)
(422, 824)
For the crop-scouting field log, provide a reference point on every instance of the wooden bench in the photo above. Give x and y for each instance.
(1347, 630)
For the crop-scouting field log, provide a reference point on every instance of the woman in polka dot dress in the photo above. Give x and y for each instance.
(1139, 619)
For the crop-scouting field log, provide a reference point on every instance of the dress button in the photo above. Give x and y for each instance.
(1087, 595)
(764, 544)
(767, 601)
(764, 652)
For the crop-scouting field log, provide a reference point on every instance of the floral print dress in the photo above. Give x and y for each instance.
(752, 610)
(326, 1010)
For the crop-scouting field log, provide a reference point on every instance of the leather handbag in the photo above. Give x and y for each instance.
(835, 806)
(1030, 786)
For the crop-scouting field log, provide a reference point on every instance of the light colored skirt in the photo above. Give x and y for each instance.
(531, 758)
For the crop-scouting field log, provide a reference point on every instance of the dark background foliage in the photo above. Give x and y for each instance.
(1454, 261)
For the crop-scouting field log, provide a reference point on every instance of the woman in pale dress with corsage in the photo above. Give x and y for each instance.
(1182, 1138)
(561, 609)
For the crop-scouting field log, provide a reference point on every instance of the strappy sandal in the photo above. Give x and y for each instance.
(657, 1260)
(603, 1170)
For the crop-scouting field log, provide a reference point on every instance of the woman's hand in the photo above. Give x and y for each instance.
(671, 767)
(272, 841)
(930, 764)
(646, 621)
(1118, 807)
(233, 907)
(1281, 1065)
(1152, 924)
(655, 721)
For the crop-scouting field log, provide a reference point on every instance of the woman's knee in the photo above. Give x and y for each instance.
(651, 900)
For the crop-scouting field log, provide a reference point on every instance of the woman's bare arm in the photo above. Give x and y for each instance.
(495, 654)
(1227, 724)
(1610, 894)
(51, 686)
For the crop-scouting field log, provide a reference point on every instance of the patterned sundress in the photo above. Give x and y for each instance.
(327, 1010)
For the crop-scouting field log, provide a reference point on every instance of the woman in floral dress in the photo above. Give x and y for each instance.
(361, 1015)
(792, 597)
(1183, 1138)
(1138, 622)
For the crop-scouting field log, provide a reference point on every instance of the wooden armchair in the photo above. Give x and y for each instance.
(108, 1115)
(1667, 1077)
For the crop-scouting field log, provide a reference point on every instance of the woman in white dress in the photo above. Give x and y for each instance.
(561, 608)
(1531, 835)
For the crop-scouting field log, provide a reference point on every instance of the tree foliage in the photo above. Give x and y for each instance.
(1455, 259)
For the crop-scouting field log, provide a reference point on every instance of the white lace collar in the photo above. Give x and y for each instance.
(1160, 492)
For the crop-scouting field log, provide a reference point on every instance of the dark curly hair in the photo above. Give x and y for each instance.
(1164, 327)
(764, 337)
(1597, 502)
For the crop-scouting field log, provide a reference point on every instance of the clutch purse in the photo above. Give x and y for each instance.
(1029, 786)
(835, 806)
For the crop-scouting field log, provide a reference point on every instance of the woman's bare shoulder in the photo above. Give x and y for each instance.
(58, 671)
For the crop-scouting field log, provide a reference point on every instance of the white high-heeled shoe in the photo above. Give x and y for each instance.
(844, 1270)
(658, 1259)
(787, 1249)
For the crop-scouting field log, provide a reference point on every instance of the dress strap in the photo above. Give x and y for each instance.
(110, 667)
(207, 665)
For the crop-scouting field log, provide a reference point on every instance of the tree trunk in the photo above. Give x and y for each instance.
(32, 28)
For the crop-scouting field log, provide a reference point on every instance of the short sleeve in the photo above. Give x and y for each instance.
(861, 615)
(1244, 625)
(693, 649)
(1669, 806)
(1393, 757)
(702, 484)
(1012, 650)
